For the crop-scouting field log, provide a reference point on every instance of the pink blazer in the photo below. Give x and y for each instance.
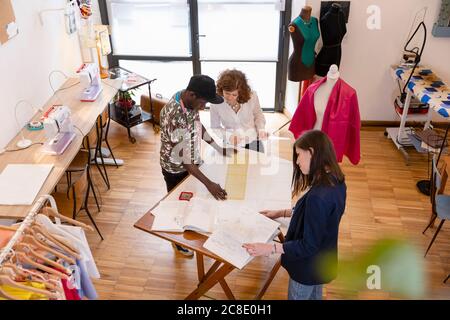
(341, 121)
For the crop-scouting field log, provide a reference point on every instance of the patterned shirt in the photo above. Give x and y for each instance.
(180, 130)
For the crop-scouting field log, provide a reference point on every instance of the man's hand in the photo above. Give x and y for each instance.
(216, 190)
(229, 151)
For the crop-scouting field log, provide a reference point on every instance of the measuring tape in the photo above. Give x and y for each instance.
(35, 126)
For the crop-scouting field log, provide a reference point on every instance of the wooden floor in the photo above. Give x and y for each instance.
(382, 200)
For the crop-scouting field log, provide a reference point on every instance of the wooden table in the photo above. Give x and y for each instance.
(84, 117)
(217, 272)
(194, 241)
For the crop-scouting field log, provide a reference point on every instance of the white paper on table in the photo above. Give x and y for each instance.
(242, 227)
(169, 216)
(20, 183)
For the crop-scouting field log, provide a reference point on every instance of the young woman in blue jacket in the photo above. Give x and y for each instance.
(309, 253)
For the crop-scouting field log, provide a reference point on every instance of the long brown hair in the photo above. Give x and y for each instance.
(324, 169)
(230, 80)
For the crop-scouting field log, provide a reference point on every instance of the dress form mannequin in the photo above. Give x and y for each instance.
(322, 95)
(333, 29)
(304, 31)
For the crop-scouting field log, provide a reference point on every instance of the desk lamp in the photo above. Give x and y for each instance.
(23, 143)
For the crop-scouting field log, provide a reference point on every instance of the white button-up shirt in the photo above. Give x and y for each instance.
(247, 122)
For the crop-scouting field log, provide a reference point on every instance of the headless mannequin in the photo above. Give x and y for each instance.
(322, 95)
(303, 43)
(333, 29)
(306, 16)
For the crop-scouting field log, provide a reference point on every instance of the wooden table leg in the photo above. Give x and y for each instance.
(210, 281)
(227, 289)
(200, 267)
(269, 280)
(213, 269)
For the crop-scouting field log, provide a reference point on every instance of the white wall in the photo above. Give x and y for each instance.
(27, 60)
(367, 54)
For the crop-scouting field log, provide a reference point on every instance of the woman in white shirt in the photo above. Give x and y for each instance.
(239, 119)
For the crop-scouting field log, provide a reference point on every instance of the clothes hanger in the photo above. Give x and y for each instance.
(48, 211)
(7, 281)
(8, 228)
(41, 233)
(28, 250)
(13, 270)
(35, 242)
(24, 258)
(45, 222)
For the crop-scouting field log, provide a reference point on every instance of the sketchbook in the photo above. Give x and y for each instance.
(21, 183)
(178, 216)
(236, 228)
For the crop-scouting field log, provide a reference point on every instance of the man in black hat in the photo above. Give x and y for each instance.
(181, 134)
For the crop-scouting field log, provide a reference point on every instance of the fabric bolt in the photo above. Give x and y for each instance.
(341, 120)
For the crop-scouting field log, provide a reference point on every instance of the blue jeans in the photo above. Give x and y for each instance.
(298, 291)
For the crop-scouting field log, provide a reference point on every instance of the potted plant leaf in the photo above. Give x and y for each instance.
(124, 100)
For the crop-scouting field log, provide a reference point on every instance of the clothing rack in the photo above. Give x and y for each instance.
(26, 223)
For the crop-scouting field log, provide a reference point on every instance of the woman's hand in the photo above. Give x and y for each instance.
(235, 139)
(272, 214)
(259, 249)
(263, 134)
(228, 152)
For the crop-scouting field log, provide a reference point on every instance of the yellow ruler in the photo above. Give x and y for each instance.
(236, 180)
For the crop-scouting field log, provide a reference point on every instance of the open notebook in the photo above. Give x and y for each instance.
(177, 216)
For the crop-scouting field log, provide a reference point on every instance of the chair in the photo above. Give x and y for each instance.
(104, 121)
(440, 203)
(98, 151)
(82, 159)
(78, 199)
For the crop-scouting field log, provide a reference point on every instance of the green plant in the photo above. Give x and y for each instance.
(125, 98)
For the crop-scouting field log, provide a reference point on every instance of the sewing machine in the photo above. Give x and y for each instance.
(91, 82)
(59, 130)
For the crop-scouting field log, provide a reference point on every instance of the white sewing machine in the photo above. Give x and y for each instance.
(59, 130)
(91, 82)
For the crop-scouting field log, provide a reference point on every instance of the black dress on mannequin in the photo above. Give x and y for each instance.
(333, 29)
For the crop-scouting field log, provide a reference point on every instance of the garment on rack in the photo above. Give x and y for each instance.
(5, 236)
(87, 287)
(333, 29)
(22, 294)
(71, 294)
(341, 121)
(83, 247)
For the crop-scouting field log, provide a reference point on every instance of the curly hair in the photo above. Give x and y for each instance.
(230, 80)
